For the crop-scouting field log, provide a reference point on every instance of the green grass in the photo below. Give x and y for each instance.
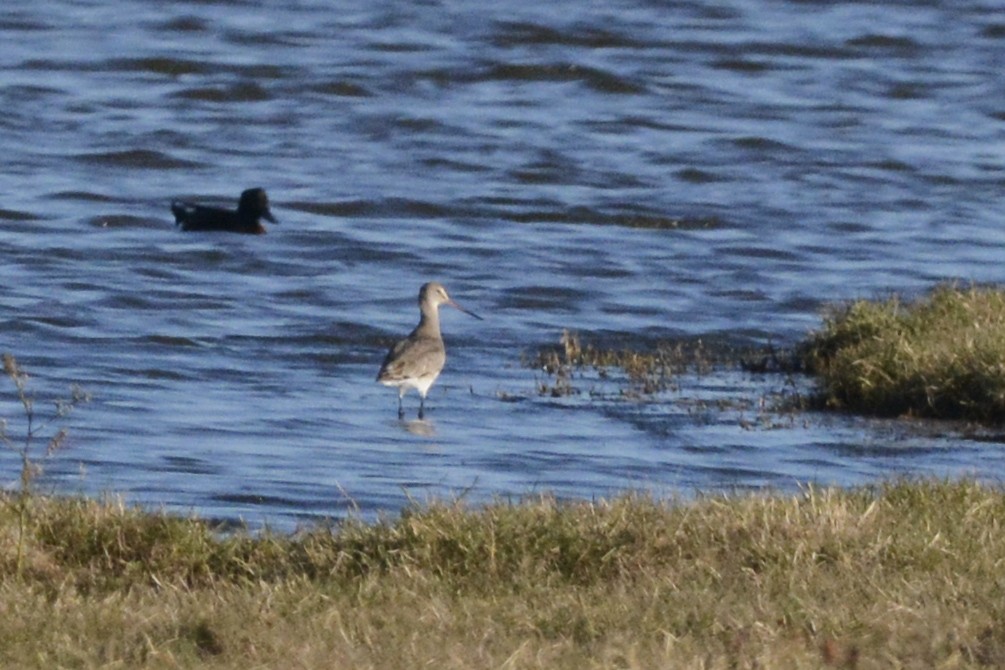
(903, 575)
(941, 356)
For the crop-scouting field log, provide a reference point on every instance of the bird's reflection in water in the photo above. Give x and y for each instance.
(420, 427)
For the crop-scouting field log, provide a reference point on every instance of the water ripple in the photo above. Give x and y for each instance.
(639, 174)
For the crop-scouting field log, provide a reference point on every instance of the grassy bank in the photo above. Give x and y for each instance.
(940, 356)
(905, 575)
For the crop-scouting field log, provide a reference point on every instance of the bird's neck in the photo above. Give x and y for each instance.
(429, 324)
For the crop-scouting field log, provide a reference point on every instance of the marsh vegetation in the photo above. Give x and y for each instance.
(571, 367)
(941, 355)
(902, 575)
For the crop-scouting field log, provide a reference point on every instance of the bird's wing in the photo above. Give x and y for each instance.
(413, 358)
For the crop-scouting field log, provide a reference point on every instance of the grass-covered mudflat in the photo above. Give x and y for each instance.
(940, 356)
(907, 574)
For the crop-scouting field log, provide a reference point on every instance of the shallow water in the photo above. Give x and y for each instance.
(636, 173)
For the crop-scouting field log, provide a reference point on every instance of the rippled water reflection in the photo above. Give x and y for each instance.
(634, 172)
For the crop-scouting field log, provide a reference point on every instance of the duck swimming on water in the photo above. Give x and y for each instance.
(252, 208)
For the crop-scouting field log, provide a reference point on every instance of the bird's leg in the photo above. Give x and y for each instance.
(422, 407)
(401, 410)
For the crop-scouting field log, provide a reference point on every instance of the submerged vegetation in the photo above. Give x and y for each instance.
(646, 372)
(606, 373)
(941, 356)
(906, 574)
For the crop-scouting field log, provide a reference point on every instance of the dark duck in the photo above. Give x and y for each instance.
(252, 208)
